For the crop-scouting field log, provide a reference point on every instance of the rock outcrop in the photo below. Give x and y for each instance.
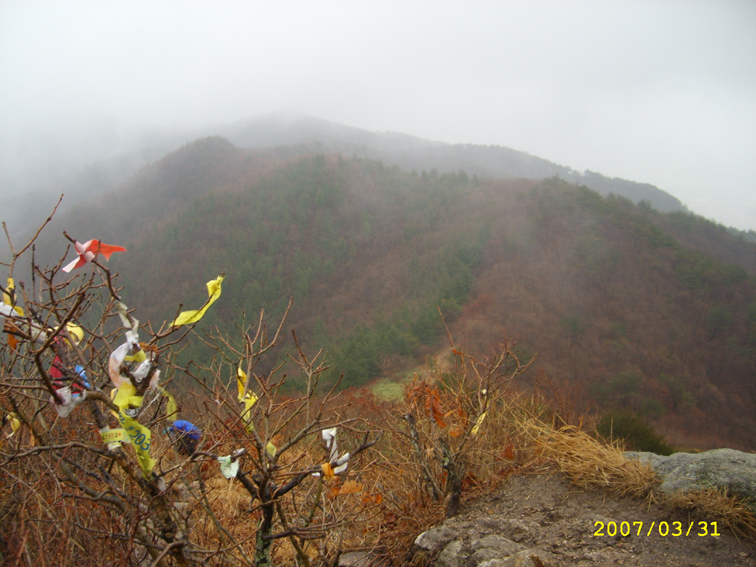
(477, 543)
(732, 470)
(543, 520)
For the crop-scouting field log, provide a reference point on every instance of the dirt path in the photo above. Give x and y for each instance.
(559, 523)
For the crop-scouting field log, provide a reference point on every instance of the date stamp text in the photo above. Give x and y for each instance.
(663, 529)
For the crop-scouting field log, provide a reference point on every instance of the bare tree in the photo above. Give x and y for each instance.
(447, 410)
(83, 408)
(291, 453)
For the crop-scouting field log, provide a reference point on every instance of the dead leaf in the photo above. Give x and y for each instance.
(456, 430)
(434, 408)
(372, 498)
(11, 329)
(350, 487)
(469, 481)
(508, 452)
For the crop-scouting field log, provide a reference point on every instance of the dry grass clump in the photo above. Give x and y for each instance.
(595, 464)
(716, 505)
(590, 463)
(231, 506)
(587, 461)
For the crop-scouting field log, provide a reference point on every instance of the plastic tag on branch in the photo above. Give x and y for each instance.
(69, 401)
(139, 435)
(126, 320)
(15, 424)
(8, 308)
(228, 466)
(8, 305)
(241, 383)
(248, 398)
(114, 364)
(141, 371)
(213, 293)
(478, 423)
(123, 314)
(73, 331)
(271, 449)
(329, 436)
(131, 351)
(89, 250)
(171, 410)
(112, 437)
(132, 335)
(339, 466)
(327, 470)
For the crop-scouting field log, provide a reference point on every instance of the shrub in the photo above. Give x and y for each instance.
(633, 431)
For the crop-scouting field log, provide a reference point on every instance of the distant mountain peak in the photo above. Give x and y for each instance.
(291, 128)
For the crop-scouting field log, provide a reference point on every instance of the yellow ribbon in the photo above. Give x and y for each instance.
(138, 356)
(138, 434)
(11, 286)
(249, 399)
(213, 293)
(478, 423)
(171, 410)
(271, 449)
(15, 424)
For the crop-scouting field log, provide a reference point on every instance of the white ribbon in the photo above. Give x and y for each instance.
(69, 401)
(228, 467)
(329, 436)
(6, 310)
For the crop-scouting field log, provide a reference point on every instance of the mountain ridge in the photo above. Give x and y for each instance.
(285, 128)
(624, 304)
(306, 134)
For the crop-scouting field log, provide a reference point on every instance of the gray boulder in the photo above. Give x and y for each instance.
(470, 544)
(732, 470)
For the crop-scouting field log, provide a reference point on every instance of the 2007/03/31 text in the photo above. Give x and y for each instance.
(664, 529)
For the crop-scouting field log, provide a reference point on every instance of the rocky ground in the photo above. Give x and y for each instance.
(541, 520)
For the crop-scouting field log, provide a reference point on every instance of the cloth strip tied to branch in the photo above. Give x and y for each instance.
(213, 293)
(89, 250)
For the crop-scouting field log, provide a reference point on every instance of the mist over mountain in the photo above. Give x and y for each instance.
(496, 162)
(625, 306)
(27, 185)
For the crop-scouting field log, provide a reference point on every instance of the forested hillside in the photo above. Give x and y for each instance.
(625, 307)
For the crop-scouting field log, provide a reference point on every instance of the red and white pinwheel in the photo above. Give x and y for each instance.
(89, 250)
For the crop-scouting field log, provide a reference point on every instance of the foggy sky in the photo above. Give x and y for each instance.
(657, 92)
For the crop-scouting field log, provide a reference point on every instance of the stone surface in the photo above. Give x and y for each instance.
(372, 558)
(436, 538)
(520, 559)
(477, 543)
(557, 524)
(720, 468)
(451, 556)
(492, 547)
